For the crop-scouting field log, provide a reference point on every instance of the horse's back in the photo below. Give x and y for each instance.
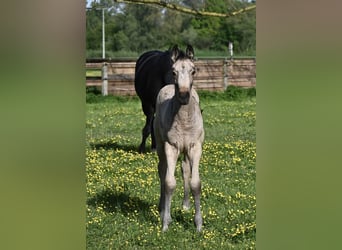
(152, 72)
(144, 58)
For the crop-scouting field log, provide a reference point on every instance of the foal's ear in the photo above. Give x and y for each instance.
(190, 52)
(174, 53)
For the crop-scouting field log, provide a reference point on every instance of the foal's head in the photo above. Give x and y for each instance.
(183, 71)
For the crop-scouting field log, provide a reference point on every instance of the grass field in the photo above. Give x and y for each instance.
(123, 185)
(135, 55)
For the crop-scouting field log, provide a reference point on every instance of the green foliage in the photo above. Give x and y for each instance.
(123, 187)
(238, 93)
(137, 28)
(232, 93)
(92, 94)
(93, 90)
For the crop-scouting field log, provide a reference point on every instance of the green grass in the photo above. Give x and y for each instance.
(123, 186)
(93, 73)
(199, 53)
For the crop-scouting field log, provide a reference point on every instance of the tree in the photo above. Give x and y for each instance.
(241, 31)
(141, 27)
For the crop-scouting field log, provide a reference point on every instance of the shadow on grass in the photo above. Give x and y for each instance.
(123, 203)
(113, 146)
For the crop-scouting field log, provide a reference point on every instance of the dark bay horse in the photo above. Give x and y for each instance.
(153, 71)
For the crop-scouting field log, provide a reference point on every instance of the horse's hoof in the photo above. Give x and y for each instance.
(141, 150)
(186, 208)
(166, 222)
(165, 228)
(198, 222)
(186, 205)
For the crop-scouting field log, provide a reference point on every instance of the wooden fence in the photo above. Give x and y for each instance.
(212, 74)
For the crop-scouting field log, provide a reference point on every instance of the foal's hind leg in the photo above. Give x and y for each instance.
(162, 172)
(149, 112)
(186, 182)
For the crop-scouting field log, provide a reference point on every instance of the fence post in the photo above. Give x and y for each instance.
(225, 73)
(104, 79)
(230, 48)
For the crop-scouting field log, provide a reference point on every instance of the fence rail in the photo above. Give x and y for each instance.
(212, 74)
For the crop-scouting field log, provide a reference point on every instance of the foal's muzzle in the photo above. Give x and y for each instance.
(184, 97)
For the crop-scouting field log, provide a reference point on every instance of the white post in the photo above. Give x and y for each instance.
(104, 79)
(103, 35)
(230, 48)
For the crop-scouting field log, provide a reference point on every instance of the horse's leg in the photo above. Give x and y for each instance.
(195, 183)
(162, 172)
(186, 182)
(170, 182)
(153, 146)
(149, 112)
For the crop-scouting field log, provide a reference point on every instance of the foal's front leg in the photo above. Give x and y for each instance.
(195, 183)
(170, 183)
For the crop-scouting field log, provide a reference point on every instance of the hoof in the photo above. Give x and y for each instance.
(165, 228)
(186, 206)
(198, 223)
(141, 149)
(166, 223)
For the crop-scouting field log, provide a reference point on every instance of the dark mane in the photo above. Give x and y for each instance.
(181, 55)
